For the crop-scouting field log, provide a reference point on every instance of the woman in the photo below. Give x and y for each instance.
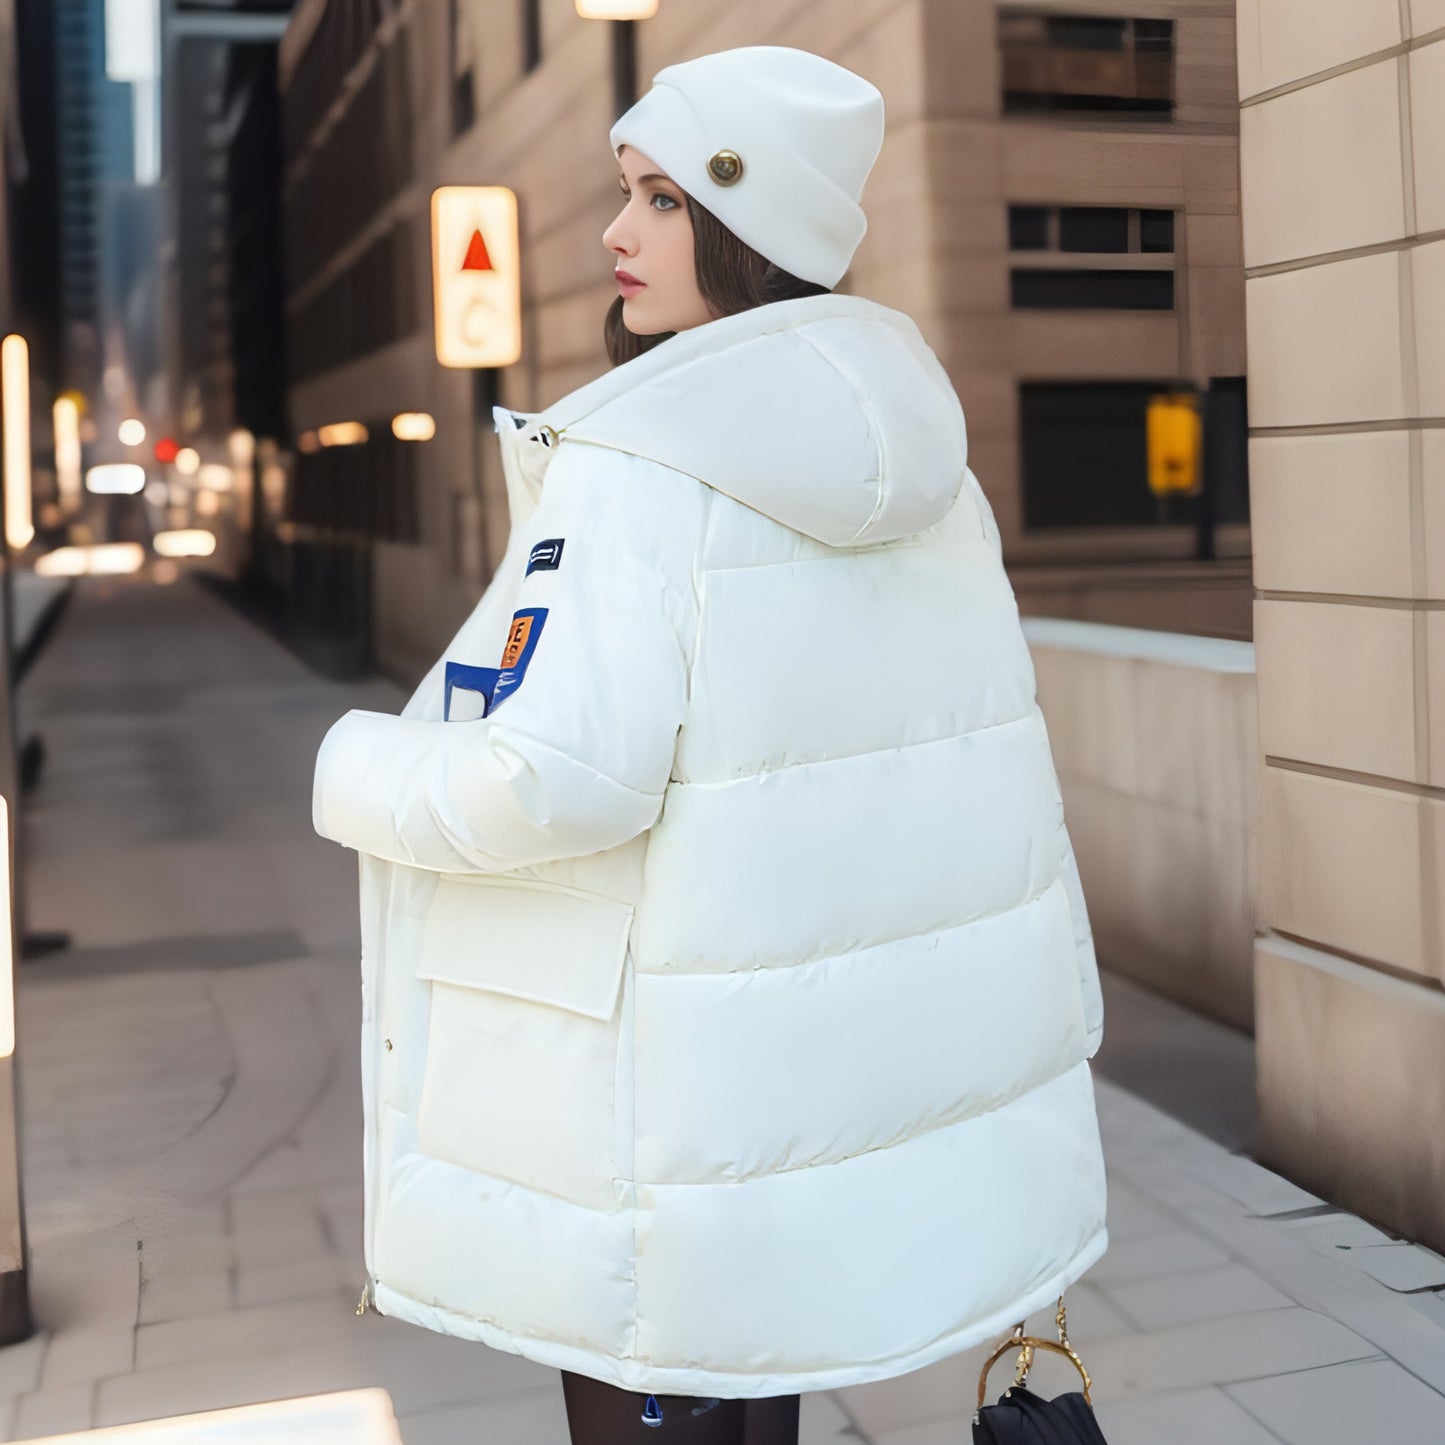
(728, 987)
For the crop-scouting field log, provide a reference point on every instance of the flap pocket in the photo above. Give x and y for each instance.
(540, 941)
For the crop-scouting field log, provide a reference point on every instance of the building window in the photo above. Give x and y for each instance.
(1086, 63)
(1085, 462)
(1090, 230)
(463, 90)
(1083, 290)
(531, 34)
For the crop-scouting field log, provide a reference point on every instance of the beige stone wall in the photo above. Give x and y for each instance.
(937, 245)
(1153, 738)
(1343, 167)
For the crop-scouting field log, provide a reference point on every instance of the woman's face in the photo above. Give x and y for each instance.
(651, 244)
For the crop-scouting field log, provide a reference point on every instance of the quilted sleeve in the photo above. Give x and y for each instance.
(579, 713)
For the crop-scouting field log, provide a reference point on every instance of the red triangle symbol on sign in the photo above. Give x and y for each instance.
(477, 257)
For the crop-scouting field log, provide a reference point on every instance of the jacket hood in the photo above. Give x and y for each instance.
(829, 414)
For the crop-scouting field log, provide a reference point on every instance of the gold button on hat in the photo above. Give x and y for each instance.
(726, 168)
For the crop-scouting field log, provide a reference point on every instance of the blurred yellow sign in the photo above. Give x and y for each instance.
(1176, 441)
(476, 275)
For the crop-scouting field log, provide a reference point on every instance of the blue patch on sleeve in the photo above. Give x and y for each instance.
(546, 556)
(482, 680)
(527, 627)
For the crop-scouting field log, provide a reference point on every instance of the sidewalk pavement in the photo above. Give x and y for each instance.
(191, 1113)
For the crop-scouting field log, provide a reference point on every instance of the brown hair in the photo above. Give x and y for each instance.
(730, 274)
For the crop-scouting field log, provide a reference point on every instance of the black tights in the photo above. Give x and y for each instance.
(601, 1414)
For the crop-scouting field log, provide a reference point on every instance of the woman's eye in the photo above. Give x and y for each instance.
(668, 204)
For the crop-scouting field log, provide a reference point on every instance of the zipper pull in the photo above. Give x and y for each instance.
(652, 1412)
(365, 1298)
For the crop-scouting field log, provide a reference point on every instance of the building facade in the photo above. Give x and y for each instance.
(1343, 166)
(1056, 204)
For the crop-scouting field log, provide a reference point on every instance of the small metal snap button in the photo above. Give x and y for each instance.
(726, 168)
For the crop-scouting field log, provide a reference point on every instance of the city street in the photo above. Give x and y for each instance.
(191, 1111)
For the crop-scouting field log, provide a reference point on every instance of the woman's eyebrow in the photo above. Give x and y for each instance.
(666, 180)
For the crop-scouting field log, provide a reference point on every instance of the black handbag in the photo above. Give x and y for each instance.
(1022, 1418)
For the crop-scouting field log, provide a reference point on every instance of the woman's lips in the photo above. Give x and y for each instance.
(629, 285)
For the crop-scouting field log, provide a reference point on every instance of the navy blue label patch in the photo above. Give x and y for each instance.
(479, 680)
(526, 628)
(546, 556)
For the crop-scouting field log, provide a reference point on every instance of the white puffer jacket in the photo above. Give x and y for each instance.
(728, 987)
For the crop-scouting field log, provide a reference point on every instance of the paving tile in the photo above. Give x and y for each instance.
(1199, 1295)
(1345, 1404)
(1219, 1351)
(55, 1411)
(283, 1242)
(175, 1298)
(1132, 1216)
(943, 1390)
(20, 1364)
(1337, 1232)
(1259, 1189)
(1431, 1304)
(1178, 1252)
(1401, 1266)
(420, 1370)
(88, 1353)
(1092, 1315)
(242, 1332)
(928, 1432)
(170, 1258)
(1190, 1417)
(322, 1275)
(823, 1421)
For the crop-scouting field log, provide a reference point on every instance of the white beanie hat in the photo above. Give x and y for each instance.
(775, 142)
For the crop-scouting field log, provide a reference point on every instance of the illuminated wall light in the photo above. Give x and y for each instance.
(132, 432)
(617, 9)
(188, 461)
(413, 426)
(67, 452)
(242, 445)
(192, 542)
(208, 504)
(15, 397)
(476, 275)
(308, 442)
(63, 562)
(215, 477)
(124, 477)
(116, 558)
(342, 434)
(102, 559)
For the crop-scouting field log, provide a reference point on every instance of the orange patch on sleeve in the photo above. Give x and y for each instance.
(516, 640)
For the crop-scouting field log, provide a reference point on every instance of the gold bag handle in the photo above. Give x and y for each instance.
(1026, 1345)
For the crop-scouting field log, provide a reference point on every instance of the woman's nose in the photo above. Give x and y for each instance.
(617, 237)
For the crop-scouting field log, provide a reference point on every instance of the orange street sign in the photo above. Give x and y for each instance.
(476, 276)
